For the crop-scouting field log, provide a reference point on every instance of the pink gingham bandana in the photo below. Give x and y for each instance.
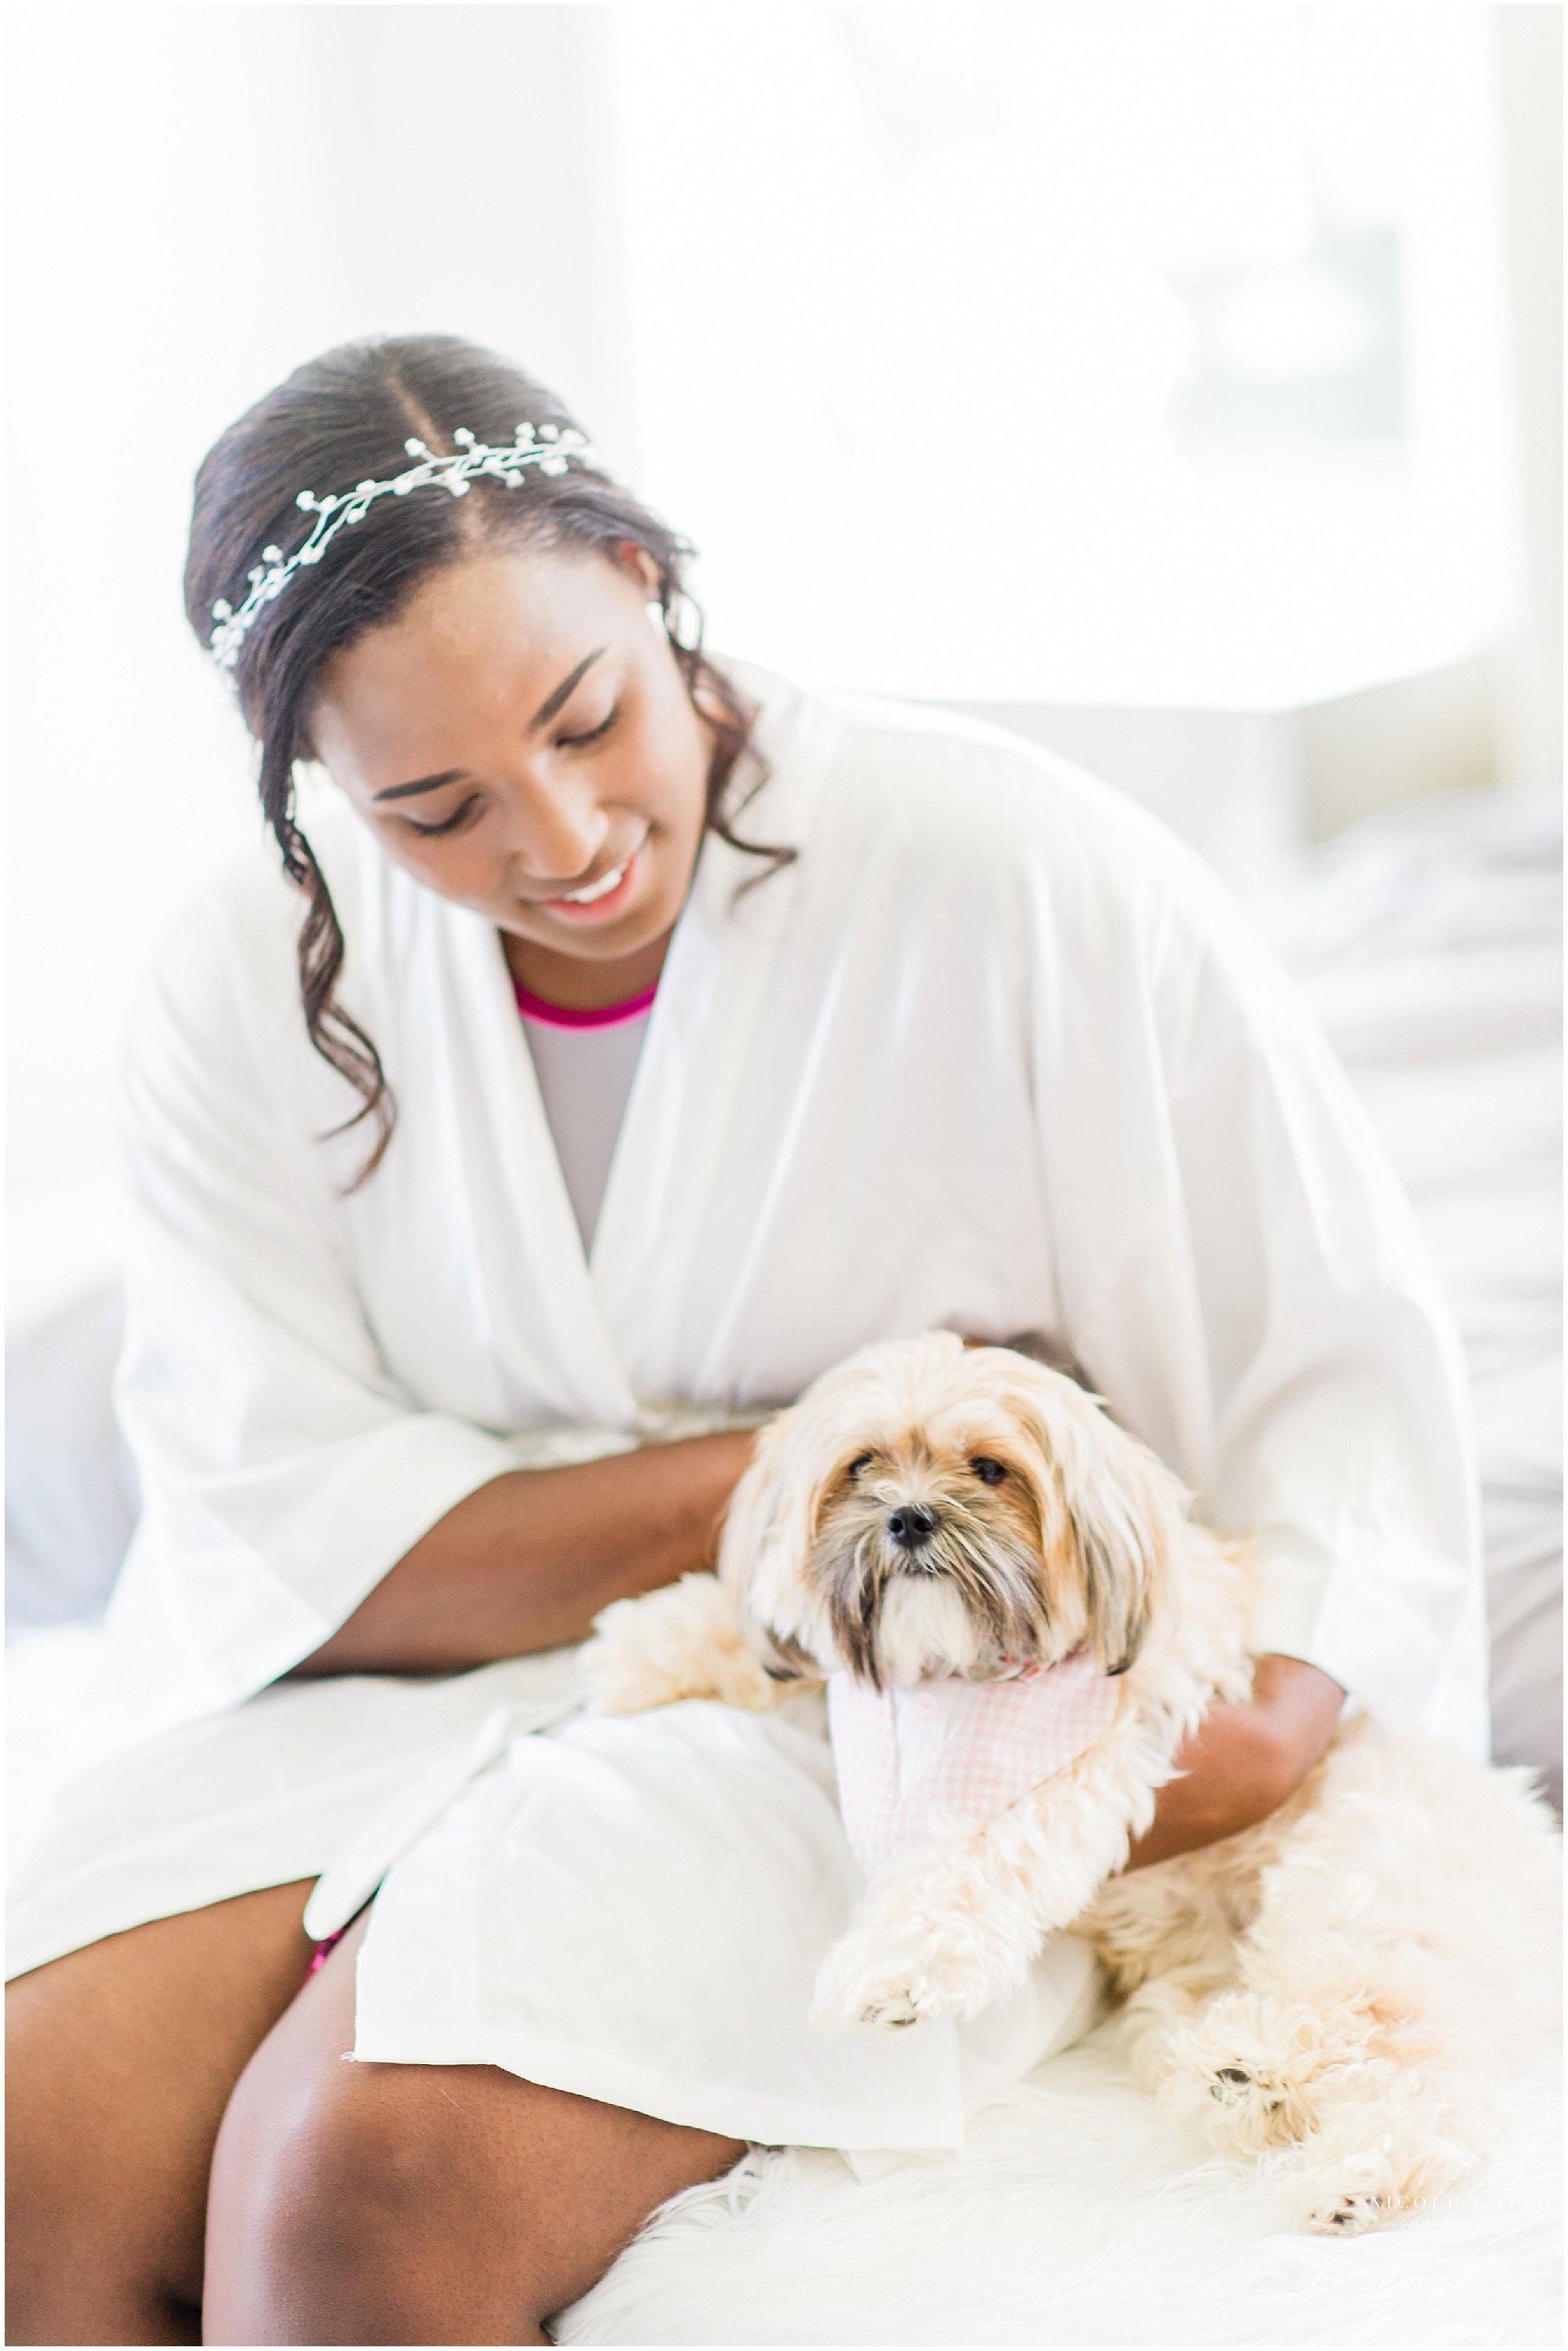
(917, 1764)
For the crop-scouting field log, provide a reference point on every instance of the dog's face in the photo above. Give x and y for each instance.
(926, 1509)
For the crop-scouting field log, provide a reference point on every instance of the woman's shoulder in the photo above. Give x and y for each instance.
(959, 793)
(953, 816)
(225, 969)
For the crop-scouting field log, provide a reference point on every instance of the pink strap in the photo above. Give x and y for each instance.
(561, 1016)
(324, 1952)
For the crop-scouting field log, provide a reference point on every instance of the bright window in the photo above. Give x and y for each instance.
(1112, 354)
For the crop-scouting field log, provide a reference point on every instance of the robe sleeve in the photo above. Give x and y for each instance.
(283, 1470)
(1244, 1280)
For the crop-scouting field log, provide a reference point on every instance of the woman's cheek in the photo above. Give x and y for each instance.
(450, 868)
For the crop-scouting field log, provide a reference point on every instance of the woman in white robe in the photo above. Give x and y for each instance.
(990, 1052)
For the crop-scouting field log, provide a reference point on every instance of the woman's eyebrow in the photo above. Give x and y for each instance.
(564, 691)
(425, 784)
(541, 718)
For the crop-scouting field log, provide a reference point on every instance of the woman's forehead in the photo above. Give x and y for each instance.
(490, 637)
(517, 605)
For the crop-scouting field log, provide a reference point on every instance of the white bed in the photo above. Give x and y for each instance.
(1429, 942)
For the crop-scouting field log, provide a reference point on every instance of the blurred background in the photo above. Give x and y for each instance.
(1179, 384)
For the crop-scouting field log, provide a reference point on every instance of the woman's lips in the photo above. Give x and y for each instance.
(601, 900)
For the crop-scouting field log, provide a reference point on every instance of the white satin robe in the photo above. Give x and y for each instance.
(995, 1053)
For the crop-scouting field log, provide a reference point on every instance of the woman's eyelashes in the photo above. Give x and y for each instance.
(459, 816)
(466, 808)
(590, 735)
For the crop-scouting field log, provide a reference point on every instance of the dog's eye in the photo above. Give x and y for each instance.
(988, 1472)
(862, 1461)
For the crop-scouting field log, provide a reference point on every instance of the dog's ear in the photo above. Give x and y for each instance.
(767, 1532)
(755, 1509)
(1119, 1516)
(1121, 1542)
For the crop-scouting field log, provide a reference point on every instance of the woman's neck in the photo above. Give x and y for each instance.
(579, 984)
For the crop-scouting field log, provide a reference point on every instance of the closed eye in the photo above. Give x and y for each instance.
(460, 815)
(576, 742)
(862, 1461)
(988, 1472)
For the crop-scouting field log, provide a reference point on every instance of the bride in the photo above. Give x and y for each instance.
(609, 1040)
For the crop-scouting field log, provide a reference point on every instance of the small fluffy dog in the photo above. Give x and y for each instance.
(934, 1527)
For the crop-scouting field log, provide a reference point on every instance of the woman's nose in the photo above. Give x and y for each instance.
(555, 832)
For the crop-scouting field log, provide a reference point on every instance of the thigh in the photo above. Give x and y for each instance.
(380, 2203)
(120, 2059)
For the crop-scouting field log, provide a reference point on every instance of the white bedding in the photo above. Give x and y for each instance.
(1429, 944)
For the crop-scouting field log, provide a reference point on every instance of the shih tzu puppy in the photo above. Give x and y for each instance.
(1017, 1623)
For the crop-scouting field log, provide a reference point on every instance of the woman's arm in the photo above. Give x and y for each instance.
(525, 1561)
(1243, 1761)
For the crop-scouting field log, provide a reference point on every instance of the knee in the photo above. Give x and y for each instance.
(341, 2174)
(329, 2213)
(311, 2176)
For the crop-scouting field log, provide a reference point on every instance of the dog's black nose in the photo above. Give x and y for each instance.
(910, 1524)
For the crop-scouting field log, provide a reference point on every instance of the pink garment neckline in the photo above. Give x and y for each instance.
(561, 1016)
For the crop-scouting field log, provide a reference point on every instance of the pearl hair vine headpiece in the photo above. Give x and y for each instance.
(549, 448)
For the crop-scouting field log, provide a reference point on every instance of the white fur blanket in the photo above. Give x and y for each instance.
(1078, 2217)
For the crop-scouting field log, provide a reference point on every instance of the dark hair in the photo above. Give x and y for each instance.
(345, 418)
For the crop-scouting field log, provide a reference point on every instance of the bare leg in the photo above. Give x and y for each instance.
(414, 2204)
(120, 2059)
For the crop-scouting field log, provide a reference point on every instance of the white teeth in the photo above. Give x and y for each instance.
(600, 889)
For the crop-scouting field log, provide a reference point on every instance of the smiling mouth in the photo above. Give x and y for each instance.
(601, 901)
(593, 890)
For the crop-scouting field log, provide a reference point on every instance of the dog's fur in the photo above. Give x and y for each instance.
(1327, 1988)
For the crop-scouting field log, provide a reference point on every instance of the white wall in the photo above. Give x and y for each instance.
(201, 197)
(1151, 354)
(1528, 41)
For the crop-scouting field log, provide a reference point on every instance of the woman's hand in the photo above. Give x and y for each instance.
(528, 1561)
(1243, 1761)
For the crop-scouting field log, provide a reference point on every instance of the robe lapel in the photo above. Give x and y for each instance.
(669, 1159)
(573, 1355)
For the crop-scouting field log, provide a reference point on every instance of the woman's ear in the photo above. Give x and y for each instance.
(634, 558)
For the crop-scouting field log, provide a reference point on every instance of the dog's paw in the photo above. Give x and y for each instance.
(1246, 2107)
(885, 1980)
(925, 1971)
(681, 1642)
(1346, 2191)
(1370, 2174)
(1347, 2212)
(1242, 2071)
(623, 1672)
(894, 2006)
(854, 1988)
